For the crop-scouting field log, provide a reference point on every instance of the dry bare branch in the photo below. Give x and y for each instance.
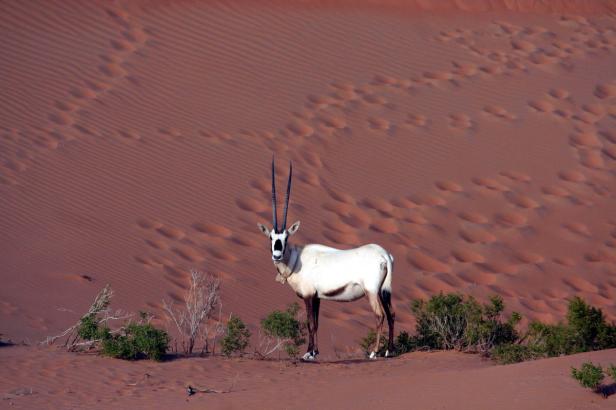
(200, 302)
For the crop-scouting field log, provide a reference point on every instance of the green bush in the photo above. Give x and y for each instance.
(89, 328)
(136, 341)
(451, 321)
(285, 330)
(589, 375)
(585, 330)
(509, 353)
(237, 337)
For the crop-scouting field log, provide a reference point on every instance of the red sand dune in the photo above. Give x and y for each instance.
(472, 139)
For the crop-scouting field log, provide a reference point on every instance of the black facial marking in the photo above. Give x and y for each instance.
(278, 245)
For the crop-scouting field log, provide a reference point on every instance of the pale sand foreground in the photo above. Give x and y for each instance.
(476, 142)
(444, 380)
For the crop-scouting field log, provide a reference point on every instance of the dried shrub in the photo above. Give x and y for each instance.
(201, 302)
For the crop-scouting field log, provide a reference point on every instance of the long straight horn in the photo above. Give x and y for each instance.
(275, 217)
(286, 198)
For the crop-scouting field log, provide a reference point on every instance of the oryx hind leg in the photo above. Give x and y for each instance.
(379, 312)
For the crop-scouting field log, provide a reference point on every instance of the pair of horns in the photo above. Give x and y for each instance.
(286, 198)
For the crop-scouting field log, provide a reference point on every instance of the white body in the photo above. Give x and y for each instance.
(341, 275)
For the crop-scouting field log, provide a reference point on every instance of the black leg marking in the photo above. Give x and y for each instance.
(391, 317)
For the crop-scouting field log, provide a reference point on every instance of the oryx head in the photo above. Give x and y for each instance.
(279, 236)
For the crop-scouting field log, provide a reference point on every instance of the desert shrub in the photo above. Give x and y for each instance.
(136, 341)
(451, 321)
(508, 353)
(282, 330)
(405, 343)
(585, 330)
(201, 302)
(589, 375)
(611, 371)
(237, 337)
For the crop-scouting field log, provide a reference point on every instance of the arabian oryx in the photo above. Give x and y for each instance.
(318, 272)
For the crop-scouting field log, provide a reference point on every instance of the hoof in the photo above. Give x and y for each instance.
(373, 355)
(387, 353)
(309, 357)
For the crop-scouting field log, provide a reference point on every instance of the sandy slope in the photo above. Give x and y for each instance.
(44, 379)
(478, 147)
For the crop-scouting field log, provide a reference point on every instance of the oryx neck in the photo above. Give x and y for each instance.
(286, 267)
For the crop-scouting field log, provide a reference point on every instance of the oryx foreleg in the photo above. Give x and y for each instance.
(312, 313)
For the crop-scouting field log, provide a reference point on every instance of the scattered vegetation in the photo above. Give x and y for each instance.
(591, 376)
(237, 337)
(132, 341)
(452, 321)
(192, 319)
(585, 330)
(281, 330)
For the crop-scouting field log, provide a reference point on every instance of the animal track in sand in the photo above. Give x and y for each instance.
(586, 139)
(251, 204)
(171, 232)
(378, 204)
(498, 112)
(426, 262)
(529, 257)
(380, 124)
(473, 217)
(188, 253)
(477, 235)
(555, 190)
(475, 276)
(610, 152)
(541, 106)
(460, 121)
(466, 255)
(212, 229)
(300, 128)
(449, 186)
(415, 218)
(157, 244)
(341, 238)
(559, 93)
(578, 228)
(605, 91)
(516, 176)
(522, 201)
(580, 285)
(146, 223)
(572, 176)
(498, 266)
(417, 120)
(387, 226)
(591, 159)
(491, 184)
(511, 219)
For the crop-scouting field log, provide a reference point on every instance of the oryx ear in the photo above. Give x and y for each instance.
(264, 229)
(294, 228)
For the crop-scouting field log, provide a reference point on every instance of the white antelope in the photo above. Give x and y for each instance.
(318, 272)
